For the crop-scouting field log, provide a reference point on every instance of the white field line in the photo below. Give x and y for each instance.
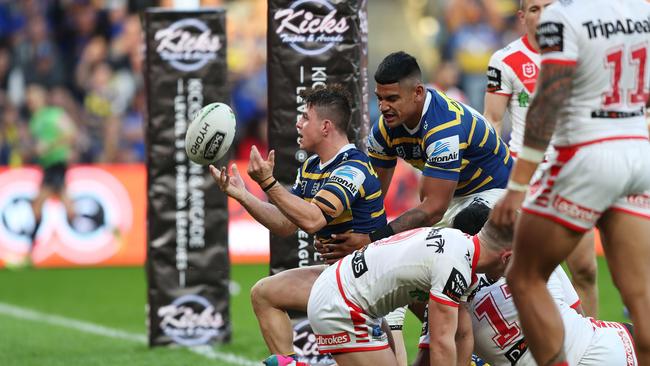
(86, 327)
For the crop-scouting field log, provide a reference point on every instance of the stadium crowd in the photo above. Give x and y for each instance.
(87, 55)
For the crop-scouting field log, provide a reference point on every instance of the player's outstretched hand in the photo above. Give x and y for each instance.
(259, 169)
(345, 244)
(506, 209)
(233, 185)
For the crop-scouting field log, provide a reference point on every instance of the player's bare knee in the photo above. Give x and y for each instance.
(259, 296)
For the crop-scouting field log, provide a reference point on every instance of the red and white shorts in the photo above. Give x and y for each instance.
(338, 324)
(580, 183)
(611, 344)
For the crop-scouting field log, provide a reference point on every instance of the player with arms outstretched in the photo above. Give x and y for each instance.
(336, 190)
(591, 99)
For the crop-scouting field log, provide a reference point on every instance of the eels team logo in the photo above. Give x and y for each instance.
(310, 27)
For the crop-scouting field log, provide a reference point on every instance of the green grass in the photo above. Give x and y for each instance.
(115, 298)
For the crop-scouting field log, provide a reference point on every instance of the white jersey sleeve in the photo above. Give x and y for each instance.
(556, 37)
(498, 76)
(449, 284)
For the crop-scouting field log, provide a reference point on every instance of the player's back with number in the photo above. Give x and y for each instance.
(608, 42)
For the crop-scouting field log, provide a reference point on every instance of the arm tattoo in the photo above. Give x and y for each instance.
(410, 220)
(553, 90)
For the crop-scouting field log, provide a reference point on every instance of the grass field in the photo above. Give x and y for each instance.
(96, 317)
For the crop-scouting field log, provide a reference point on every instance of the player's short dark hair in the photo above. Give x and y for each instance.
(471, 219)
(396, 67)
(332, 102)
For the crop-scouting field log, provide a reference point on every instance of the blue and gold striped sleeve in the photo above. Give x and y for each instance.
(444, 147)
(343, 187)
(380, 151)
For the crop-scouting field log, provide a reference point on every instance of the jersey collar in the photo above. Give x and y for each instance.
(477, 254)
(427, 101)
(526, 42)
(345, 148)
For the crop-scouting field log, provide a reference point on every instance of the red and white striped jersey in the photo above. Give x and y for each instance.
(608, 41)
(513, 72)
(498, 337)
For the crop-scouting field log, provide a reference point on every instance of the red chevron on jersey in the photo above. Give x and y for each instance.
(524, 68)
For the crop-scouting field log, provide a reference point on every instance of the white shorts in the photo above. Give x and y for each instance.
(583, 182)
(457, 204)
(338, 324)
(611, 345)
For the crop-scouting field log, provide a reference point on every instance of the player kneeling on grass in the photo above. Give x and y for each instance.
(349, 299)
(336, 191)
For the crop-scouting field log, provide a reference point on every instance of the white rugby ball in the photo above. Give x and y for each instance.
(210, 133)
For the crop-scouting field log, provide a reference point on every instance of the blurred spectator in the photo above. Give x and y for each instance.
(247, 67)
(14, 136)
(446, 80)
(107, 96)
(53, 134)
(38, 56)
(131, 140)
(474, 28)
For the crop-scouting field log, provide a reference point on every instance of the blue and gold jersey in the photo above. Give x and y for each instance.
(453, 141)
(346, 189)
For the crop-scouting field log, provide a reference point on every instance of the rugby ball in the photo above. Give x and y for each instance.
(210, 133)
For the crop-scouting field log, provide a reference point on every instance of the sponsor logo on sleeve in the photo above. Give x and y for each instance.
(359, 266)
(349, 177)
(374, 146)
(456, 285)
(550, 37)
(494, 79)
(443, 151)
